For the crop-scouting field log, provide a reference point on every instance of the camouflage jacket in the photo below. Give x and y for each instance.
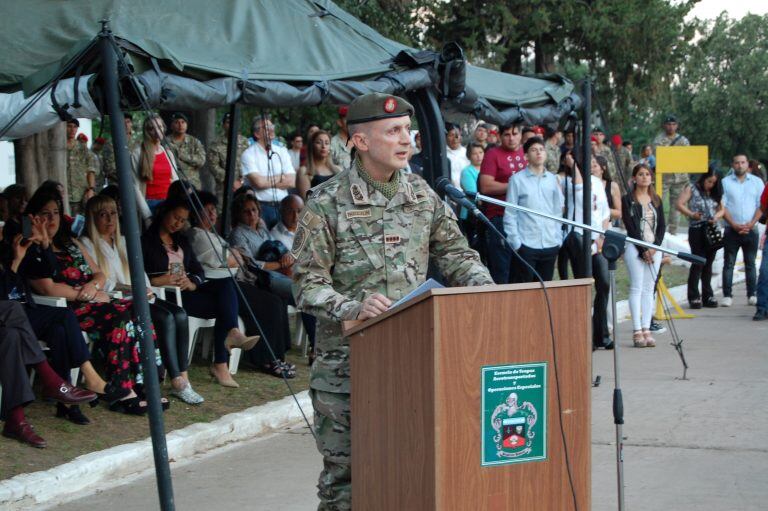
(352, 242)
(340, 153)
(664, 141)
(190, 157)
(108, 165)
(553, 157)
(607, 153)
(80, 161)
(217, 157)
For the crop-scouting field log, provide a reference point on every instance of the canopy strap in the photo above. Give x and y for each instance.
(61, 110)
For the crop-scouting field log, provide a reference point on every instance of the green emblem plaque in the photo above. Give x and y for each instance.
(514, 413)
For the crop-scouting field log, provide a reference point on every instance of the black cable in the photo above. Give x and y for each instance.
(536, 274)
(71, 63)
(199, 211)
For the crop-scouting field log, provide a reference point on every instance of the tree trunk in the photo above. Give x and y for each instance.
(544, 55)
(42, 156)
(56, 157)
(513, 61)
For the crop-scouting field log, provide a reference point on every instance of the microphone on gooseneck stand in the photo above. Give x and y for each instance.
(443, 186)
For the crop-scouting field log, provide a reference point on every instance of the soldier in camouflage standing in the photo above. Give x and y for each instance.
(81, 170)
(189, 151)
(108, 167)
(217, 156)
(552, 145)
(672, 184)
(363, 242)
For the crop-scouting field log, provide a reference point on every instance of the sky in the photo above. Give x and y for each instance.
(736, 9)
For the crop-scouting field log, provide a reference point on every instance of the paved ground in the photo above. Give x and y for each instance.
(699, 444)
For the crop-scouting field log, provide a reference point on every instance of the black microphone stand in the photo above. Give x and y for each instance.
(613, 248)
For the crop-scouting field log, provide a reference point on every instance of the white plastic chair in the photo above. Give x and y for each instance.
(200, 327)
(302, 338)
(59, 301)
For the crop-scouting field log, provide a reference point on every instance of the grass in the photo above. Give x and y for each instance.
(67, 441)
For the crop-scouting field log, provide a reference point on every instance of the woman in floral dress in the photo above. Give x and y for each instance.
(63, 268)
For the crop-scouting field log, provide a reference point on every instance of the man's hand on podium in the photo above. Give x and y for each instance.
(374, 305)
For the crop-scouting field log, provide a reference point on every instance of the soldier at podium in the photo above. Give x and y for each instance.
(363, 241)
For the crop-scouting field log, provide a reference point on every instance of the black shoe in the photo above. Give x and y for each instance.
(760, 315)
(608, 343)
(72, 414)
(694, 304)
(711, 303)
(657, 328)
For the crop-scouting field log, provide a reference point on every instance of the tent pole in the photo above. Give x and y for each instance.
(109, 74)
(431, 128)
(586, 173)
(229, 178)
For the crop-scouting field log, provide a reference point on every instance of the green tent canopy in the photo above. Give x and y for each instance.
(194, 54)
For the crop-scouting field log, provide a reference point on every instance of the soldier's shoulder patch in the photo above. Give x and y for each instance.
(309, 219)
(299, 240)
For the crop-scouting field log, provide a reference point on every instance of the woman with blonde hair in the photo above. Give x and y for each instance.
(153, 166)
(103, 242)
(319, 166)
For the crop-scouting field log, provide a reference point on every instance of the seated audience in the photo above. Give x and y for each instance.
(269, 310)
(19, 350)
(106, 246)
(57, 327)
(170, 261)
(285, 230)
(65, 269)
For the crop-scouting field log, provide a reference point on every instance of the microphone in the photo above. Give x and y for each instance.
(444, 186)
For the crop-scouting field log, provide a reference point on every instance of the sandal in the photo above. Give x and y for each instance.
(112, 393)
(279, 369)
(638, 339)
(649, 340)
(132, 406)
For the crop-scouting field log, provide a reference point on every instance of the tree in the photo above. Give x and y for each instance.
(722, 96)
(633, 47)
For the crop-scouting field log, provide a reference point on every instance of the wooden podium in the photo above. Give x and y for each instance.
(421, 408)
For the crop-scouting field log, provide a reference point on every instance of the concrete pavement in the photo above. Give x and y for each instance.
(699, 444)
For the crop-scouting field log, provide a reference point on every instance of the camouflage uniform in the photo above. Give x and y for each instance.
(217, 161)
(352, 242)
(108, 165)
(672, 184)
(625, 161)
(553, 157)
(80, 162)
(606, 152)
(340, 153)
(190, 158)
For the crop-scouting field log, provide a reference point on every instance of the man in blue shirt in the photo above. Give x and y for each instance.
(535, 238)
(741, 198)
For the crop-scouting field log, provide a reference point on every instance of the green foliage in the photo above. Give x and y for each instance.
(395, 19)
(722, 95)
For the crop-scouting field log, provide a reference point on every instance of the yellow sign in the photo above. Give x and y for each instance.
(693, 159)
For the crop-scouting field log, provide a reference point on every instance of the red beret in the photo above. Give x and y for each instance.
(343, 110)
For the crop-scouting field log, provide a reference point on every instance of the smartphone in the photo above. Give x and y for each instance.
(177, 269)
(26, 227)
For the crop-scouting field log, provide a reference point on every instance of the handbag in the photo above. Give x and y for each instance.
(713, 237)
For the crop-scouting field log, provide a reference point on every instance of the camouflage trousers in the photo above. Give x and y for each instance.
(334, 441)
(672, 186)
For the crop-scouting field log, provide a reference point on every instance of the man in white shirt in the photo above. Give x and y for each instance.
(268, 170)
(285, 230)
(457, 153)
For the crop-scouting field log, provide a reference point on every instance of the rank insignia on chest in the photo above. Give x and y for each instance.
(358, 213)
(391, 238)
(358, 196)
